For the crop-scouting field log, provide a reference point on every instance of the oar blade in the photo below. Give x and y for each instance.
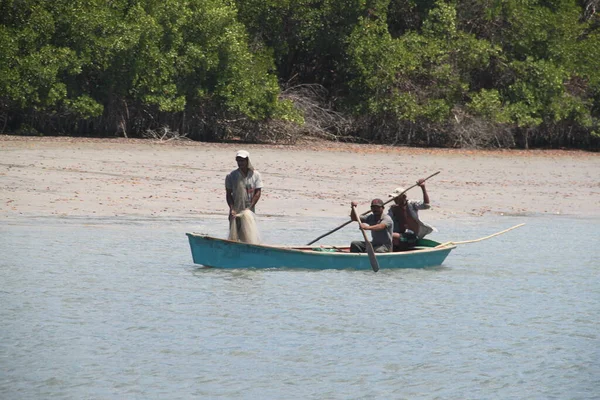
(370, 250)
(372, 258)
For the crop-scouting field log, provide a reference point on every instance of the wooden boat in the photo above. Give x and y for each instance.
(221, 253)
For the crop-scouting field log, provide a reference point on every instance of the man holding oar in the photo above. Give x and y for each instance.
(379, 224)
(367, 212)
(408, 228)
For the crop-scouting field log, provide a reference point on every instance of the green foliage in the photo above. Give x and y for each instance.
(396, 71)
(307, 36)
(441, 21)
(418, 75)
(106, 59)
(488, 104)
(84, 107)
(540, 96)
(30, 64)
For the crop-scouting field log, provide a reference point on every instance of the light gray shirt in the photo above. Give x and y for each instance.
(413, 207)
(384, 236)
(250, 183)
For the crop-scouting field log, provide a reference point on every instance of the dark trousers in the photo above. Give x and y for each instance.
(358, 246)
(407, 241)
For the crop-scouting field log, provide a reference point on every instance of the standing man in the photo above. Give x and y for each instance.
(380, 225)
(408, 228)
(243, 185)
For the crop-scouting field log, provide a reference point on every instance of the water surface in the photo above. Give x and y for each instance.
(115, 308)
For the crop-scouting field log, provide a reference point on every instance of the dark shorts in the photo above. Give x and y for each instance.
(408, 237)
(361, 247)
(408, 240)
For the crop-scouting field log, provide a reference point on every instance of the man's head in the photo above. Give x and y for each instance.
(242, 157)
(399, 195)
(377, 206)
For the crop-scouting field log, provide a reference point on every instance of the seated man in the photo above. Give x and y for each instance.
(408, 228)
(380, 225)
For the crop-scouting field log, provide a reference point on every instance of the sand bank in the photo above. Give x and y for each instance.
(125, 177)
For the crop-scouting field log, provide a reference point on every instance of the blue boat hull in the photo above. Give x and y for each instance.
(220, 253)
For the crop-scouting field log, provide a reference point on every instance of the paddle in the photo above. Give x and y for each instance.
(370, 250)
(366, 212)
(477, 240)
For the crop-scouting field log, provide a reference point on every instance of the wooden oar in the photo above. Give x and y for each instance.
(370, 250)
(366, 212)
(477, 240)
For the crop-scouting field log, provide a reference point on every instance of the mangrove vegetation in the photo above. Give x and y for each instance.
(463, 73)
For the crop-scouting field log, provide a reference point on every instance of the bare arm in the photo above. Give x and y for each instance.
(421, 183)
(352, 215)
(255, 197)
(229, 198)
(385, 221)
(378, 227)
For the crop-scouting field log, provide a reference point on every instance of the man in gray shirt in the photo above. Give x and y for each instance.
(243, 185)
(380, 225)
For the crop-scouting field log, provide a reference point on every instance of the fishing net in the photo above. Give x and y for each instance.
(240, 195)
(243, 228)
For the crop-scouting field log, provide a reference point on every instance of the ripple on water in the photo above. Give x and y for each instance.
(113, 308)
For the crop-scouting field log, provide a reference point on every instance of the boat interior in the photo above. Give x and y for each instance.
(343, 249)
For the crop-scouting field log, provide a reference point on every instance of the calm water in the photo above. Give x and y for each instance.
(104, 309)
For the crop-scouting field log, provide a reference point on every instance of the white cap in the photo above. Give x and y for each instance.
(242, 153)
(397, 192)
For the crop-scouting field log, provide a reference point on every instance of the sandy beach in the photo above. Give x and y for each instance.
(128, 177)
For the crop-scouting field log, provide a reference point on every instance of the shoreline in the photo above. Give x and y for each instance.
(65, 176)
